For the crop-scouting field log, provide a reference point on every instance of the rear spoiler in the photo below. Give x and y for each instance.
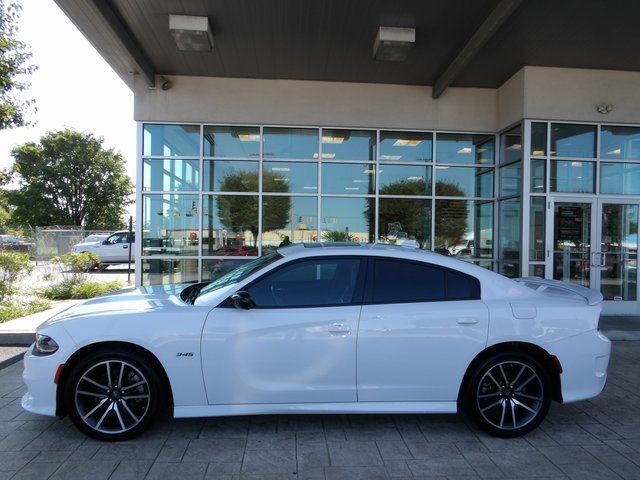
(562, 289)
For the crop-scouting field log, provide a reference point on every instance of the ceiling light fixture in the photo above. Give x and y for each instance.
(191, 34)
(249, 137)
(393, 43)
(325, 155)
(538, 153)
(390, 157)
(401, 142)
(465, 150)
(332, 139)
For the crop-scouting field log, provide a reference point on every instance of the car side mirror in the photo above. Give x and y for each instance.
(242, 300)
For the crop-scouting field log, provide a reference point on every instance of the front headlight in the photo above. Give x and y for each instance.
(45, 345)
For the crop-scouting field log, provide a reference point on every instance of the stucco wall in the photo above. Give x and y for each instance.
(533, 92)
(573, 93)
(291, 102)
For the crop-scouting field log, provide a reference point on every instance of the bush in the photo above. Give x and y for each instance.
(77, 288)
(16, 308)
(13, 266)
(78, 262)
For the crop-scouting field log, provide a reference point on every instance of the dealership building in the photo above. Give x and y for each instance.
(506, 133)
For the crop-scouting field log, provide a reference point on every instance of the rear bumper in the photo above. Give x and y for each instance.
(585, 360)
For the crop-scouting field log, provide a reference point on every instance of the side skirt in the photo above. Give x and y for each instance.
(313, 408)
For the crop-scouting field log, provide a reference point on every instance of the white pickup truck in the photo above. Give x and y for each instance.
(113, 249)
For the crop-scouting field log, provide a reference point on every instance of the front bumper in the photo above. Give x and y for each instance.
(584, 359)
(38, 375)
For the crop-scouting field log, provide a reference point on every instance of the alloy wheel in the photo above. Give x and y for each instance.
(510, 395)
(112, 396)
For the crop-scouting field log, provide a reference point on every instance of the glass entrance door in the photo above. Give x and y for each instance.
(594, 243)
(570, 246)
(617, 256)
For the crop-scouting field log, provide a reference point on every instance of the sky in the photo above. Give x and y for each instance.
(73, 86)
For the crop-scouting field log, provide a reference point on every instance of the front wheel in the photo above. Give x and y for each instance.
(509, 394)
(112, 395)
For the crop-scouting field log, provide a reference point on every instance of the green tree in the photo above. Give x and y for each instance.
(240, 213)
(68, 178)
(14, 69)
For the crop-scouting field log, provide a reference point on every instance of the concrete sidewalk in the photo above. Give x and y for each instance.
(21, 331)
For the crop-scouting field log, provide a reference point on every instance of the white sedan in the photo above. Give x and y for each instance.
(323, 329)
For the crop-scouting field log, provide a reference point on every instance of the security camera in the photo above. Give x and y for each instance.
(165, 84)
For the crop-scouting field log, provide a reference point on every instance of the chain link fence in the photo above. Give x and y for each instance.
(57, 240)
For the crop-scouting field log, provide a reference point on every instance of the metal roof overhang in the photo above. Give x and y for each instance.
(460, 43)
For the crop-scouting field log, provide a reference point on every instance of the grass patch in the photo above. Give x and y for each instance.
(75, 288)
(12, 308)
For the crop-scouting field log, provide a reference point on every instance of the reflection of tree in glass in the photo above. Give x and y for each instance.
(240, 213)
(451, 215)
(415, 220)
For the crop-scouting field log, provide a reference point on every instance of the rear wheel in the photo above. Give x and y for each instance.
(509, 394)
(113, 395)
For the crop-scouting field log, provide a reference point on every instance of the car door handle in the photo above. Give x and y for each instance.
(339, 329)
(467, 321)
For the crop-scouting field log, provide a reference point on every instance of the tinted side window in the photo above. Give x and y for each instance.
(462, 287)
(395, 281)
(308, 283)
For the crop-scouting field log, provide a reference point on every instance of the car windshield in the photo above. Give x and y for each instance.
(242, 272)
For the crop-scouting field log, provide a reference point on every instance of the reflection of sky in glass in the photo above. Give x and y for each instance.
(171, 140)
(620, 178)
(170, 174)
(620, 143)
(567, 176)
(215, 172)
(348, 178)
(462, 148)
(406, 146)
(509, 233)
(235, 142)
(538, 139)
(290, 143)
(348, 144)
(300, 177)
(538, 175)
(511, 145)
(342, 213)
(406, 179)
(573, 140)
(510, 179)
(464, 182)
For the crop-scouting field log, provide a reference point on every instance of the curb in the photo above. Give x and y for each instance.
(17, 339)
(11, 360)
(624, 335)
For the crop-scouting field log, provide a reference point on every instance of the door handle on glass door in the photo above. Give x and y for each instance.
(339, 328)
(467, 321)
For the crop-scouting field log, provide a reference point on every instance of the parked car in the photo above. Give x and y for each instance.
(10, 243)
(321, 329)
(88, 242)
(112, 249)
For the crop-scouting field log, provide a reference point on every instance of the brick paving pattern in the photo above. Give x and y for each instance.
(597, 439)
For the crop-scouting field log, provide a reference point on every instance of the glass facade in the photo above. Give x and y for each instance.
(216, 195)
(544, 198)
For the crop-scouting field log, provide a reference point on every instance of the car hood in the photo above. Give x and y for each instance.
(127, 301)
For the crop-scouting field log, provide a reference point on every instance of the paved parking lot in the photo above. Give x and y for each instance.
(598, 439)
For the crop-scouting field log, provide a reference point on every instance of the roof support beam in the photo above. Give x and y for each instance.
(492, 23)
(145, 67)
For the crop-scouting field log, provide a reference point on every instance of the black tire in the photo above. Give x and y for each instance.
(516, 401)
(118, 408)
